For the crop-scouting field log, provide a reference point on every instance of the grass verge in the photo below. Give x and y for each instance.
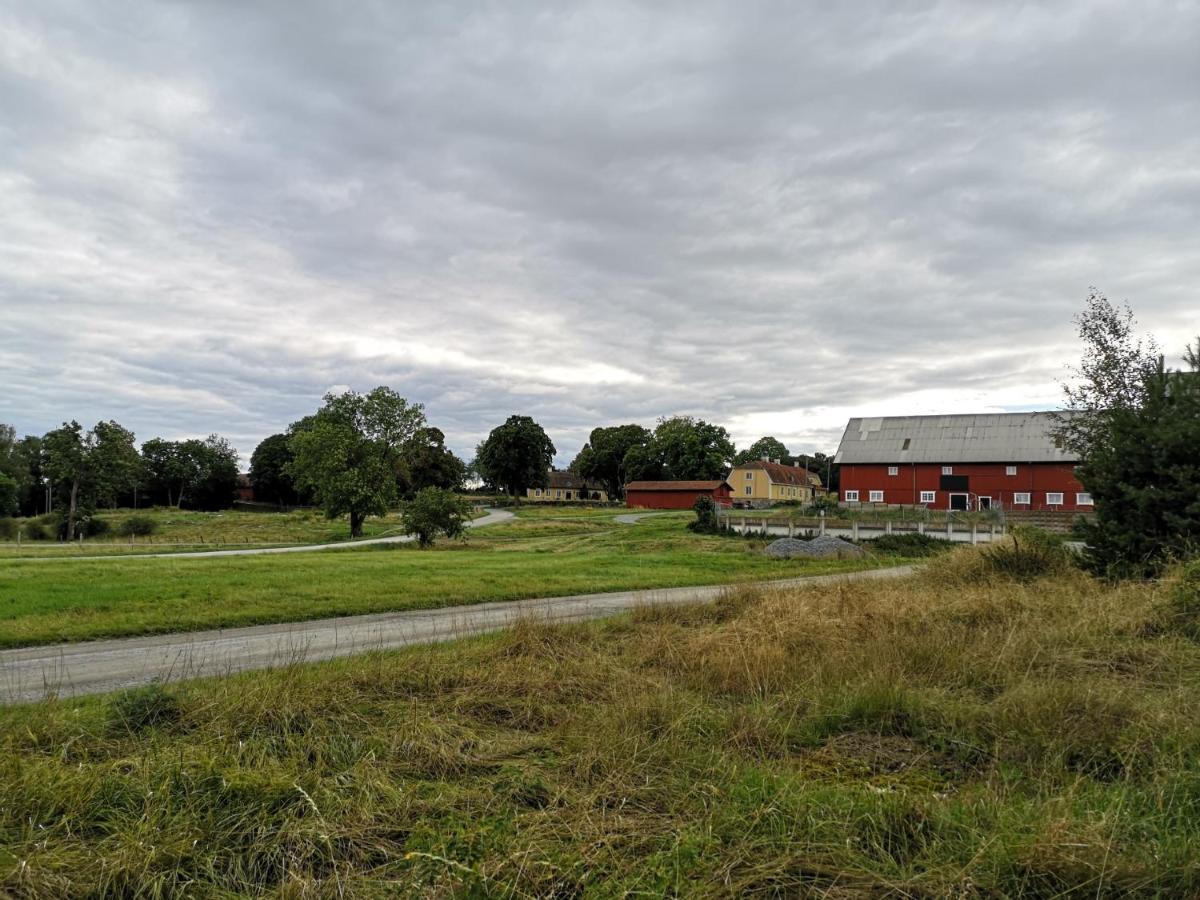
(954, 734)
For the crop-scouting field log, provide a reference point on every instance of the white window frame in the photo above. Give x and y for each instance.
(1083, 498)
(1010, 470)
(929, 496)
(1050, 501)
(1022, 498)
(557, 494)
(875, 497)
(947, 470)
(851, 497)
(893, 470)
(749, 476)
(537, 492)
(749, 489)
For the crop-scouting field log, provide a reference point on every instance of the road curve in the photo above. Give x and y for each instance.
(493, 517)
(95, 667)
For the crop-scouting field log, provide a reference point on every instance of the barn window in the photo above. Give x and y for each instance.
(876, 496)
(1021, 498)
(947, 470)
(928, 496)
(851, 496)
(1054, 499)
(1010, 470)
(1083, 499)
(893, 470)
(907, 443)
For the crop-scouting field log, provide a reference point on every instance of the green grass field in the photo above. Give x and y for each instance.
(546, 552)
(949, 735)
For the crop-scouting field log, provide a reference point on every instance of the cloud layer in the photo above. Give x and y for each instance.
(771, 216)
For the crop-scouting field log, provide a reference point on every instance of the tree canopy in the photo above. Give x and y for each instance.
(429, 463)
(201, 474)
(89, 468)
(515, 456)
(270, 473)
(690, 448)
(1136, 429)
(433, 511)
(348, 455)
(768, 447)
(603, 457)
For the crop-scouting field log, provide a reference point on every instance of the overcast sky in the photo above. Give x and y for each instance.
(770, 216)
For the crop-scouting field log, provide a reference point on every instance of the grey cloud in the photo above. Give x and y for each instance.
(602, 213)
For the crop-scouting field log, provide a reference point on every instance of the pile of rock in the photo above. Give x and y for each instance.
(822, 547)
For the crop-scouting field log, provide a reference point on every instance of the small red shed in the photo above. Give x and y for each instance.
(675, 494)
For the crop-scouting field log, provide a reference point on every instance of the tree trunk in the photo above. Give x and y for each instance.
(71, 510)
(356, 523)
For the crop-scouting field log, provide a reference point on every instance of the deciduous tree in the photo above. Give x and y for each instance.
(433, 511)
(89, 467)
(349, 454)
(604, 457)
(515, 456)
(691, 448)
(269, 472)
(764, 447)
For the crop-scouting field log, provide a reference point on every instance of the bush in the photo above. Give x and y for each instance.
(1031, 553)
(911, 545)
(94, 527)
(37, 529)
(435, 511)
(8, 529)
(706, 515)
(137, 526)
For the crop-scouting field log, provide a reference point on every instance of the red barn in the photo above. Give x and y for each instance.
(1004, 460)
(675, 494)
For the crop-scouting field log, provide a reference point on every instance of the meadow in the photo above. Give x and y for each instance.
(954, 734)
(546, 552)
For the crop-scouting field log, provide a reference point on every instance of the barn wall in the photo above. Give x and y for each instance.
(984, 479)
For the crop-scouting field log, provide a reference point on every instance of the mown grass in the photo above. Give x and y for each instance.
(954, 734)
(45, 601)
(181, 530)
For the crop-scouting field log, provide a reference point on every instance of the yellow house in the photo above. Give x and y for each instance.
(563, 487)
(764, 481)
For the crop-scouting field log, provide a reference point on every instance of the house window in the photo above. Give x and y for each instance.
(749, 476)
(876, 496)
(558, 495)
(928, 496)
(1083, 499)
(851, 496)
(749, 489)
(1054, 499)
(893, 470)
(537, 492)
(947, 470)
(1010, 470)
(1021, 497)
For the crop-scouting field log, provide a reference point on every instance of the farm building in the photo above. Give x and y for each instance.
(566, 486)
(675, 494)
(961, 462)
(766, 481)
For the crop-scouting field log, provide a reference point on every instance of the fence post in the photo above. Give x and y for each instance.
(920, 527)
(949, 529)
(854, 529)
(791, 528)
(974, 533)
(822, 525)
(887, 527)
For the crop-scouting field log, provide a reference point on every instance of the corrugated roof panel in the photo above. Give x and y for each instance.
(991, 437)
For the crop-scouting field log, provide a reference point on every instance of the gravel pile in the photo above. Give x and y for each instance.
(821, 547)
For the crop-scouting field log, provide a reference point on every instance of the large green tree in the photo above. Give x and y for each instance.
(201, 474)
(433, 511)
(1136, 429)
(515, 456)
(764, 447)
(604, 457)
(429, 463)
(349, 455)
(269, 472)
(89, 468)
(690, 448)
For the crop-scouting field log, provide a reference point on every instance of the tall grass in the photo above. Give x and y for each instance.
(957, 734)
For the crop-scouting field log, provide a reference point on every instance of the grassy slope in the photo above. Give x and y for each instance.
(543, 554)
(940, 736)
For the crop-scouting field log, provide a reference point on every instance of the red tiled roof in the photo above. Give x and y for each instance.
(781, 474)
(673, 485)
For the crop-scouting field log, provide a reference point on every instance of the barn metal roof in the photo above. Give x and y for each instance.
(992, 437)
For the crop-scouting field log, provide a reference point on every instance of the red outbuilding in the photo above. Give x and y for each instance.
(963, 462)
(675, 494)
